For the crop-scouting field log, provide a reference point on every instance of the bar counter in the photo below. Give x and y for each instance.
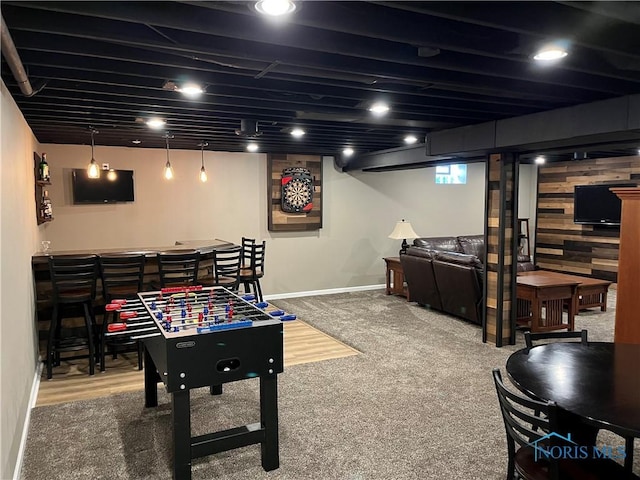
(203, 246)
(42, 281)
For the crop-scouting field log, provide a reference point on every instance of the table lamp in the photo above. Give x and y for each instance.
(403, 230)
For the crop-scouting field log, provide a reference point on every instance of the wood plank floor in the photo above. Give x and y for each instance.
(71, 380)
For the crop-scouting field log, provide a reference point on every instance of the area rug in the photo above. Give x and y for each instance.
(417, 403)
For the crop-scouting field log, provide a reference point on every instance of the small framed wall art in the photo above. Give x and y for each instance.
(295, 192)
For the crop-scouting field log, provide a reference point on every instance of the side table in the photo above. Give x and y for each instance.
(395, 278)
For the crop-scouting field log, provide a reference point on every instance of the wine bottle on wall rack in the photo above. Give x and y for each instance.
(47, 209)
(44, 169)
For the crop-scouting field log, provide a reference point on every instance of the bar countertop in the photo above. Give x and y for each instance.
(203, 246)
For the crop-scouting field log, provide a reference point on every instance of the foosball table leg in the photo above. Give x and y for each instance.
(181, 416)
(269, 420)
(150, 381)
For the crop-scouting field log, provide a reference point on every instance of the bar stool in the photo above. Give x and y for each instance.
(122, 278)
(253, 271)
(225, 270)
(73, 279)
(178, 268)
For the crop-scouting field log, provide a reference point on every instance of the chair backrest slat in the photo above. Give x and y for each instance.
(530, 338)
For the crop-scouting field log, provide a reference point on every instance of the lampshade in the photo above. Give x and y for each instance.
(402, 231)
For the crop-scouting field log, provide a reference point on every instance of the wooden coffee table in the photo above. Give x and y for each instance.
(592, 292)
(548, 292)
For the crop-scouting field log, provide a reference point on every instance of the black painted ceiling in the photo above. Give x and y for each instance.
(438, 64)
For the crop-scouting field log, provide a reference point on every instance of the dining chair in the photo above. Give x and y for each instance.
(73, 280)
(178, 268)
(253, 270)
(122, 277)
(527, 432)
(225, 269)
(531, 338)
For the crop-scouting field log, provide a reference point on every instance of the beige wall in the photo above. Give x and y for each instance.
(19, 236)
(360, 210)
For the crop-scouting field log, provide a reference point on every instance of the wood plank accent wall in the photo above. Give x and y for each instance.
(564, 246)
(501, 203)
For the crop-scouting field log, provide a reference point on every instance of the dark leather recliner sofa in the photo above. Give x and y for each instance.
(447, 274)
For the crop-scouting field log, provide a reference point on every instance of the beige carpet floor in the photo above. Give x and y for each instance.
(418, 403)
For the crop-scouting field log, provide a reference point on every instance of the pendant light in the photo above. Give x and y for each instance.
(168, 171)
(203, 172)
(92, 170)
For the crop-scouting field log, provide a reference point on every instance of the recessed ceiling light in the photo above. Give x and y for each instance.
(548, 54)
(253, 147)
(156, 123)
(540, 160)
(297, 132)
(136, 141)
(190, 90)
(410, 139)
(379, 108)
(275, 8)
(347, 152)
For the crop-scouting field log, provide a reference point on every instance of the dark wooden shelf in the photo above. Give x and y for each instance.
(39, 190)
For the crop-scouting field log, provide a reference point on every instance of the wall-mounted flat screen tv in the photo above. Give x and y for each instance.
(597, 205)
(112, 186)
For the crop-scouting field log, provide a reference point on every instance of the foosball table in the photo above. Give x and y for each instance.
(204, 337)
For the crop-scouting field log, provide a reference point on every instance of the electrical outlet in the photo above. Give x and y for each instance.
(105, 166)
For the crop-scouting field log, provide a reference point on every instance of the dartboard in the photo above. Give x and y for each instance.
(297, 190)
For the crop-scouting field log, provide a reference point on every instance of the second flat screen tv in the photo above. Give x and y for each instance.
(597, 205)
(111, 187)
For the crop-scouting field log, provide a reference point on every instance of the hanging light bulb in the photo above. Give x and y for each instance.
(92, 170)
(203, 172)
(168, 171)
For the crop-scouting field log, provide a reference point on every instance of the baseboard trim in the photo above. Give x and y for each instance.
(33, 398)
(328, 291)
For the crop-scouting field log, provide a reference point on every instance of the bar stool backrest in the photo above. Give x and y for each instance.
(256, 259)
(73, 278)
(247, 243)
(226, 267)
(178, 268)
(122, 275)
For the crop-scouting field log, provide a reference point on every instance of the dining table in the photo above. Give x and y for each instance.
(597, 385)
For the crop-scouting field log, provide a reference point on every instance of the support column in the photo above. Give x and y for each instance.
(498, 322)
(627, 300)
